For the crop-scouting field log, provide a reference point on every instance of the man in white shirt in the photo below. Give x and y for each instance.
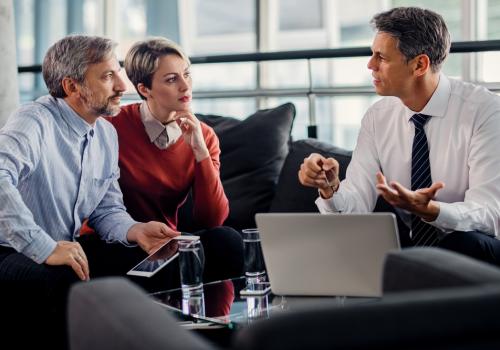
(426, 121)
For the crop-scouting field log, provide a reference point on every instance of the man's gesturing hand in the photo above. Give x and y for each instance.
(320, 172)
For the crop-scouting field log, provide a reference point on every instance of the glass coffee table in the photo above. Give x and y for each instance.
(220, 304)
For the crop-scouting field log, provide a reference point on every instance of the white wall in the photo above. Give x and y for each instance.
(9, 92)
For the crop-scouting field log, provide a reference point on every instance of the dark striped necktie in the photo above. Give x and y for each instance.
(423, 234)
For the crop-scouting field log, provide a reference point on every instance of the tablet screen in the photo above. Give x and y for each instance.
(161, 257)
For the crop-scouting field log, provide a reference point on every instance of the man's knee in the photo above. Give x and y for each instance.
(474, 244)
(460, 241)
(223, 237)
(224, 251)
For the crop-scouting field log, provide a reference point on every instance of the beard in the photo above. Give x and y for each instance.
(101, 107)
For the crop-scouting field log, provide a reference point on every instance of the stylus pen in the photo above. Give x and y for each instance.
(329, 183)
(326, 177)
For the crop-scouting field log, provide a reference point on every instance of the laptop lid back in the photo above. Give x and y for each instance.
(326, 254)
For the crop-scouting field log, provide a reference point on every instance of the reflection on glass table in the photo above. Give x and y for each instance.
(222, 303)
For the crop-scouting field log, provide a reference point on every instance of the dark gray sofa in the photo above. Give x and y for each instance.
(433, 299)
(259, 166)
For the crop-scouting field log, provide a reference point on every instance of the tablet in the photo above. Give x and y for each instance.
(159, 258)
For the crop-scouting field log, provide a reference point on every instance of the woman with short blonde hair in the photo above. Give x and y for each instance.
(166, 153)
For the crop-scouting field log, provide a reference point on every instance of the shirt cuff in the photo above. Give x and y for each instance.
(119, 232)
(326, 205)
(41, 248)
(445, 220)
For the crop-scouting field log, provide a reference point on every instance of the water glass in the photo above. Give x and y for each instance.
(191, 262)
(257, 307)
(255, 269)
(193, 302)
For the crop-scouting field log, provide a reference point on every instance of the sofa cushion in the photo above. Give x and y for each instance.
(252, 154)
(432, 268)
(291, 196)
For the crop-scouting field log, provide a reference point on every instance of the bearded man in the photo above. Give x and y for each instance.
(58, 168)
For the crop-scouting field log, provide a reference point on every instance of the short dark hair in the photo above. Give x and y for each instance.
(418, 31)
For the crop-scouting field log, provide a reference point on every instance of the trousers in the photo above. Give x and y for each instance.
(34, 296)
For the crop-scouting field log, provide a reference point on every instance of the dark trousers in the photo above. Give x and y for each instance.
(34, 296)
(475, 244)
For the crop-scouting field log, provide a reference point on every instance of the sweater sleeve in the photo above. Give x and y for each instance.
(210, 204)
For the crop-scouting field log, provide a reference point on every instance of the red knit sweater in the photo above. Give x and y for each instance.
(155, 182)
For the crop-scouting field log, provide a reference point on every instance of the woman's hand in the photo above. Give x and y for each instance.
(193, 136)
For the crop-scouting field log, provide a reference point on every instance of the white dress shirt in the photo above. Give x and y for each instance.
(464, 143)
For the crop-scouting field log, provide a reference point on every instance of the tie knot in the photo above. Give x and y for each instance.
(419, 120)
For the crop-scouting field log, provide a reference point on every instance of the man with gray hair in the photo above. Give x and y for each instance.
(427, 132)
(58, 167)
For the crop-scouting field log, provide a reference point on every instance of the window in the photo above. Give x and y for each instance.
(218, 26)
(93, 17)
(133, 14)
(342, 86)
(220, 17)
(223, 76)
(239, 108)
(300, 14)
(488, 69)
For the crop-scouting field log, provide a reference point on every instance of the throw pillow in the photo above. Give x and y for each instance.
(253, 151)
(291, 196)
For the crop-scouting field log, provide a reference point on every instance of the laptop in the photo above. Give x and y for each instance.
(326, 254)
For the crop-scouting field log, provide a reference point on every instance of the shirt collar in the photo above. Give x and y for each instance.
(437, 105)
(152, 125)
(75, 122)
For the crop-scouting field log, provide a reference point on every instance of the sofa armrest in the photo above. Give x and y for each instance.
(462, 318)
(431, 268)
(112, 313)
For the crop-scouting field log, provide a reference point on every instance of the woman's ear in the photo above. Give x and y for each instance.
(422, 64)
(143, 90)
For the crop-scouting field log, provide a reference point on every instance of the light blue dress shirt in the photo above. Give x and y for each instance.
(55, 171)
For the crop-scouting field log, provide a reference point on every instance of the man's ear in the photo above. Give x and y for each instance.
(422, 64)
(69, 86)
(143, 90)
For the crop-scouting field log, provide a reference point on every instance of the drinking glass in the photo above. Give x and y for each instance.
(255, 269)
(193, 302)
(257, 307)
(191, 262)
